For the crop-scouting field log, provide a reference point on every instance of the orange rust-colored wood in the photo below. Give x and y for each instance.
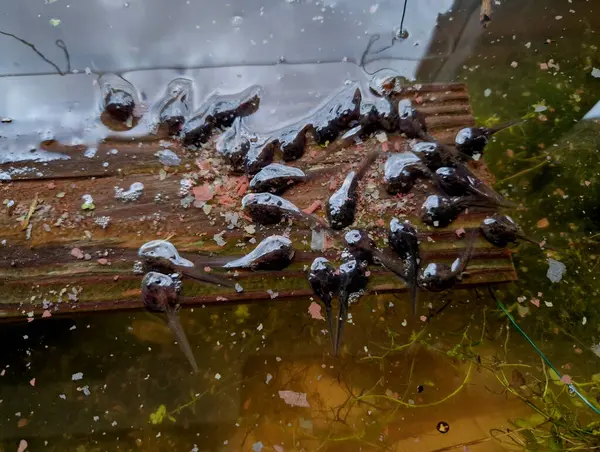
(42, 268)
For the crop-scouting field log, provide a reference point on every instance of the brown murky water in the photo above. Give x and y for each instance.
(399, 380)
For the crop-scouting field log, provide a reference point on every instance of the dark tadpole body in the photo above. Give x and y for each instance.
(434, 155)
(473, 140)
(160, 293)
(341, 206)
(500, 230)
(163, 257)
(362, 248)
(336, 114)
(292, 141)
(266, 209)
(401, 170)
(403, 239)
(233, 145)
(439, 277)
(219, 111)
(119, 97)
(276, 178)
(273, 253)
(325, 282)
(459, 181)
(261, 153)
(440, 211)
(378, 114)
(411, 122)
(175, 107)
(353, 282)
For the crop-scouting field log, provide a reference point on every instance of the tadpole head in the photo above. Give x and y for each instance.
(162, 251)
(500, 230)
(403, 238)
(360, 245)
(160, 292)
(324, 279)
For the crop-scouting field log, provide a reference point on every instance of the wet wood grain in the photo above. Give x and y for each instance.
(38, 271)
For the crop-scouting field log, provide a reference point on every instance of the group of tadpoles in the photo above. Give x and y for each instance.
(424, 157)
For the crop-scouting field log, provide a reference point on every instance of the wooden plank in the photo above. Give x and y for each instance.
(40, 272)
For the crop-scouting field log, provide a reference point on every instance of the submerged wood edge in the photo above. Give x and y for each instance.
(133, 302)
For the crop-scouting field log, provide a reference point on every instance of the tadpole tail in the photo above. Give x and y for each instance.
(493, 198)
(505, 125)
(466, 256)
(342, 316)
(315, 222)
(534, 241)
(412, 284)
(177, 329)
(366, 163)
(329, 314)
(478, 201)
(431, 139)
(394, 265)
(205, 277)
(314, 173)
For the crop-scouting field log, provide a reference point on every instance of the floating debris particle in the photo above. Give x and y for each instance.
(217, 376)
(272, 294)
(88, 202)
(85, 390)
(218, 238)
(487, 92)
(269, 378)
(232, 219)
(90, 152)
(77, 376)
(543, 223)
(317, 240)
(168, 158)
(55, 22)
(294, 398)
(566, 379)
(443, 427)
(203, 192)
(556, 270)
(133, 194)
(22, 446)
(315, 311)
(596, 72)
(238, 288)
(103, 222)
(77, 253)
